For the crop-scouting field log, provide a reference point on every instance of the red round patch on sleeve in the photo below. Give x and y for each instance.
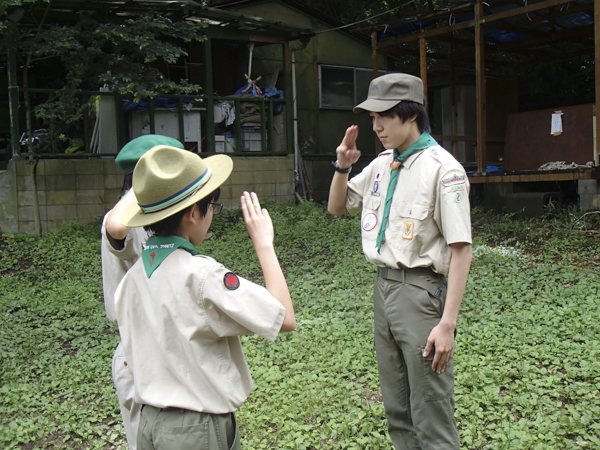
(231, 281)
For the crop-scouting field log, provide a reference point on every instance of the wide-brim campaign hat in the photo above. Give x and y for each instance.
(131, 152)
(167, 180)
(387, 91)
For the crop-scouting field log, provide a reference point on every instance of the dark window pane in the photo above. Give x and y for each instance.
(363, 78)
(337, 87)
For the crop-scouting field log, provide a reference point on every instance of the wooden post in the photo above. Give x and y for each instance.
(375, 62)
(208, 95)
(374, 54)
(423, 45)
(480, 88)
(13, 103)
(597, 81)
(453, 123)
(289, 98)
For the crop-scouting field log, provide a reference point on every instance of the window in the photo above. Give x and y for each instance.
(343, 87)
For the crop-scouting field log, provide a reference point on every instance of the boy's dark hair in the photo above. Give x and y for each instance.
(406, 110)
(170, 225)
(127, 183)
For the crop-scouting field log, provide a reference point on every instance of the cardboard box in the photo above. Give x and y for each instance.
(219, 143)
(252, 140)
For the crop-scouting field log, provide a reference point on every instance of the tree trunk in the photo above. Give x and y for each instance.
(33, 159)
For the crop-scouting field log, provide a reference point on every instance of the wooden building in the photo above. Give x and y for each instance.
(488, 42)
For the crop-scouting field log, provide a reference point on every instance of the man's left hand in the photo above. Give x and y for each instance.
(442, 338)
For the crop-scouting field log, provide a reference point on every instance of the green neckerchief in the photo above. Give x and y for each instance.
(424, 141)
(157, 248)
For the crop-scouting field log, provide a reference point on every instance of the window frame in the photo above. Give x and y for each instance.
(355, 99)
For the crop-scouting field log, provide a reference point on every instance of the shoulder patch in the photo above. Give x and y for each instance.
(453, 178)
(231, 281)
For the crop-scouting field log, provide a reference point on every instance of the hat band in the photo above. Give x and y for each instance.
(179, 196)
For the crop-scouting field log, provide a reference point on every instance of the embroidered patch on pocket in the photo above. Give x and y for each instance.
(409, 228)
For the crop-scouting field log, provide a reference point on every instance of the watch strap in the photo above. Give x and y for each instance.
(339, 169)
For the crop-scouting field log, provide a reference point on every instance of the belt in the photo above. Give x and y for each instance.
(413, 277)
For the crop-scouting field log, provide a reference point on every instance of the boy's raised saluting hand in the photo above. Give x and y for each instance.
(257, 220)
(347, 153)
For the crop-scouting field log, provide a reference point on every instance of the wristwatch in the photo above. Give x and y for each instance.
(339, 169)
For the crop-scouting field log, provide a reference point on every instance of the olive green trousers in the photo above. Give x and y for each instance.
(182, 429)
(419, 403)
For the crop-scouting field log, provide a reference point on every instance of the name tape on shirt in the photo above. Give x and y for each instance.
(453, 178)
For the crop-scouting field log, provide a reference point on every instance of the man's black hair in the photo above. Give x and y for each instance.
(170, 225)
(407, 110)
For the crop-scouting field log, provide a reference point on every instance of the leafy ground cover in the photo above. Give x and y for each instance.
(527, 360)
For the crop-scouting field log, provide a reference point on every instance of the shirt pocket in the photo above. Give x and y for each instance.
(372, 202)
(408, 222)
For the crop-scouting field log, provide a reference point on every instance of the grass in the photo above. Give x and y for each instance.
(528, 349)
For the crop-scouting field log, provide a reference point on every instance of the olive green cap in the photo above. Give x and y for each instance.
(131, 152)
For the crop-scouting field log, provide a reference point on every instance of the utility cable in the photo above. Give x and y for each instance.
(368, 18)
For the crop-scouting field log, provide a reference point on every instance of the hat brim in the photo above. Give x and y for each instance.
(373, 105)
(221, 167)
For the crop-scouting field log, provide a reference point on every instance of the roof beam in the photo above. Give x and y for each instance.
(514, 29)
(547, 16)
(471, 23)
(587, 30)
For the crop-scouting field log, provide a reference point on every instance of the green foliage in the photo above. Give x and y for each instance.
(55, 343)
(528, 348)
(570, 80)
(84, 54)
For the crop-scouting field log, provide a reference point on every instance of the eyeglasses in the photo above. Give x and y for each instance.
(217, 207)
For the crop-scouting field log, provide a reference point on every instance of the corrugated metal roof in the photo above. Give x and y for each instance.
(569, 20)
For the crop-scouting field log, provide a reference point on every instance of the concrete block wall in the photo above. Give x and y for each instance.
(589, 195)
(270, 177)
(84, 190)
(68, 190)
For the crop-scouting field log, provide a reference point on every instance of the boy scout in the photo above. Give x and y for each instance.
(180, 314)
(415, 228)
(120, 249)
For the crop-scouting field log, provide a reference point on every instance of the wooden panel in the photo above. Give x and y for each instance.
(597, 80)
(529, 143)
(580, 174)
(480, 88)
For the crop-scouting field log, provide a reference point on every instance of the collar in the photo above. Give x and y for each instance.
(412, 158)
(157, 248)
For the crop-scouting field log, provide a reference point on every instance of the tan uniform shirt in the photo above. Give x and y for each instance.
(180, 329)
(430, 209)
(116, 263)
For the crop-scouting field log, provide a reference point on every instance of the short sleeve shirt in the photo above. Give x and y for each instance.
(116, 263)
(430, 209)
(180, 330)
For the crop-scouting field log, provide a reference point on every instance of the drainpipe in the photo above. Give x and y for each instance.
(297, 165)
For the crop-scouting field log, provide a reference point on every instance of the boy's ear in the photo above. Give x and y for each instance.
(189, 214)
(413, 118)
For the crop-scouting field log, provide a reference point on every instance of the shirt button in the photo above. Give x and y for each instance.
(125, 363)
